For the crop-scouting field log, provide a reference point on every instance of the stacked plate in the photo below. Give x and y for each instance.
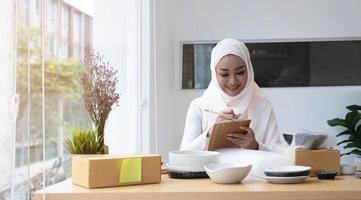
(190, 164)
(287, 174)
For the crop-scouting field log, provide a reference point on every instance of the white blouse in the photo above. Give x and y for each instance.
(198, 122)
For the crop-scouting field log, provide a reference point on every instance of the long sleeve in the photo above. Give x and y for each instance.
(270, 138)
(194, 138)
(263, 123)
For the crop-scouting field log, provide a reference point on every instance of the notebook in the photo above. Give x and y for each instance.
(220, 130)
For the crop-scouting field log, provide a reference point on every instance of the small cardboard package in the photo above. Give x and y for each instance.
(94, 171)
(319, 160)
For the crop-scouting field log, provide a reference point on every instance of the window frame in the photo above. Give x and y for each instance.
(179, 78)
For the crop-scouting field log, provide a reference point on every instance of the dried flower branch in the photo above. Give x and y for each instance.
(99, 90)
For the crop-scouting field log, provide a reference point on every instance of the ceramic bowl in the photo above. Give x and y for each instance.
(193, 159)
(326, 174)
(348, 169)
(288, 171)
(227, 173)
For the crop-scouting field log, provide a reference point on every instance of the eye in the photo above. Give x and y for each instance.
(224, 75)
(241, 73)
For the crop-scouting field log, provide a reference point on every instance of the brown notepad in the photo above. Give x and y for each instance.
(220, 130)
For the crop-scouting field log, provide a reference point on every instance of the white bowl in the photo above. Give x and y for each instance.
(227, 173)
(192, 158)
(348, 169)
(184, 169)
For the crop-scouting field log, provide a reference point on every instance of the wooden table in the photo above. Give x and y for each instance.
(343, 187)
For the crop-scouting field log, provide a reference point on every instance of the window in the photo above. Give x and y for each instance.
(49, 93)
(284, 64)
(50, 98)
(82, 37)
(51, 25)
(196, 61)
(64, 46)
(76, 34)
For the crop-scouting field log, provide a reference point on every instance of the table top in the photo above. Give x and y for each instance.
(343, 187)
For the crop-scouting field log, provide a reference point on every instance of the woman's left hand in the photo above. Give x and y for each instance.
(246, 139)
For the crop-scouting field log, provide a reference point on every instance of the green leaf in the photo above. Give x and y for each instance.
(352, 145)
(352, 118)
(83, 141)
(357, 134)
(353, 107)
(337, 122)
(345, 132)
(345, 141)
(355, 151)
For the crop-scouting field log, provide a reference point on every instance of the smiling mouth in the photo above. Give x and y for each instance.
(232, 88)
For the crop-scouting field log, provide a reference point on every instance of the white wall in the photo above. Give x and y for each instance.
(164, 79)
(251, 20)
(115, 28)
(123, 32)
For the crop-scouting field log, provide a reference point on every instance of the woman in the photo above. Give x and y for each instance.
(233, 94)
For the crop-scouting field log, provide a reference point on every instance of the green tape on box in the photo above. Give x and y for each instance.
(130, 170)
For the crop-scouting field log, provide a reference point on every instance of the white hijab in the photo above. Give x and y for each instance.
(216, 98)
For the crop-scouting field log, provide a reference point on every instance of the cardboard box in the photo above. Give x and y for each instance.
(94, 171)
(320, 159)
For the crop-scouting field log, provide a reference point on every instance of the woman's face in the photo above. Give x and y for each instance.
(231, 73)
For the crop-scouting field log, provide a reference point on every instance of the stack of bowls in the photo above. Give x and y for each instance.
(287, 174)
(190, 164)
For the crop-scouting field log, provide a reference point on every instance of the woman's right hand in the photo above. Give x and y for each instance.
(225, 115)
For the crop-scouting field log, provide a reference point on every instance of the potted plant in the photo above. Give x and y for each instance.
(99, 92)
(352, 130)
(83, 141)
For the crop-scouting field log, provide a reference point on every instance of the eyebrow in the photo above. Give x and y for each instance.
(238, 68)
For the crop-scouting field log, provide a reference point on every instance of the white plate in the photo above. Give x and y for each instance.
(194, 158)
(184, 169)
(294, 179)
(288, 169)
